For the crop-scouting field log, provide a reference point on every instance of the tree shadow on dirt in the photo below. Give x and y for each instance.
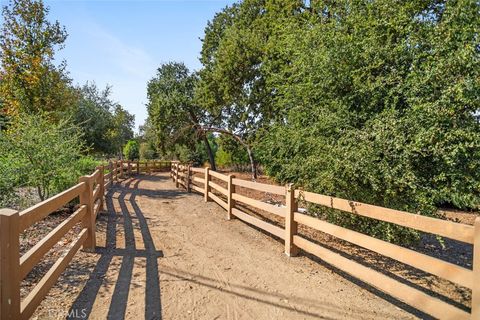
(83, 305)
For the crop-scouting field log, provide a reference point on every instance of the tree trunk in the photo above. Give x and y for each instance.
(40, 193)
(210, 153)
(243, 143)
(253, 166)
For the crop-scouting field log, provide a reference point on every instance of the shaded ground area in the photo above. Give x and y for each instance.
(448, 250)
(165, 254)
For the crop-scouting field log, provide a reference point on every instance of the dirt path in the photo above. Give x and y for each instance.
(166, 254)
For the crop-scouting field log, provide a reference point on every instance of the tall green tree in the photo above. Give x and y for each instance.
(93, 114)
(31, 81)
(238, 62)
(122, 129)
(374, 101)
(172, 109)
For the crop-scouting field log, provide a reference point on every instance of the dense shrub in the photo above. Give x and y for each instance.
(373, 101)
(131, 150)
(84, 165)
(146, 151)
(9, 178)
(42, 153)
(223, 158)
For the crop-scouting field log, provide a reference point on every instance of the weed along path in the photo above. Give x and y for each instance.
(163, 253)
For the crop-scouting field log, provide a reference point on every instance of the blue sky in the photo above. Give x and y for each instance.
(122, 43)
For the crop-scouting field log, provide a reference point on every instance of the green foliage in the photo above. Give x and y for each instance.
(171, 109)
(46, 124)
(122, 130)
(131, 150)
(44, 153)
(10, 178)
(149, 145)
(223, 158)
(197, 155)
(93, 114)
(31, 82)
(106, 125)
(146, 152)
(236, 50)
(173, 114)
(230, 153)
(84, 165)
(374, 101)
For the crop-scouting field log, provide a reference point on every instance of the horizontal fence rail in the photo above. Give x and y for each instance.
(200, 180)
(90, 192)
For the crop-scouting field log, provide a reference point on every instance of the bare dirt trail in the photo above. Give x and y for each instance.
(166, 254)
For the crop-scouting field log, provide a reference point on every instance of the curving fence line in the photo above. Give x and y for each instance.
(184, 175)
(90, 192)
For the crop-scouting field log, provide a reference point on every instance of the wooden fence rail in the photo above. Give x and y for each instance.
(187, 176)
(90, 192)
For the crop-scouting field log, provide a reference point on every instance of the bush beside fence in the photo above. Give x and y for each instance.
(184, 175)
(90, 192)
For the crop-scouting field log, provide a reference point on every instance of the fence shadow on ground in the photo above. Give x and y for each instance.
(153, 310)
(275, 299)
(349, 277)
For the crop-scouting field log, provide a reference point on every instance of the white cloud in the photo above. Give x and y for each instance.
(131, 60)
(109, 60)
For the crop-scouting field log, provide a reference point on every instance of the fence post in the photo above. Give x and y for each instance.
(102, 187)
(476, 272)
(290, 225)
(129, 168)
(114, 171)
(138, 166)
(110, 166)
(176, 176)
(207, 180)
(86, 198)
(188, 179)
(9, 264)
(121, 169)
(175, 172)
(230, 201)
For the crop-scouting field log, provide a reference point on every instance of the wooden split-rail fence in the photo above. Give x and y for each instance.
(200, 180)
(90, 192)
